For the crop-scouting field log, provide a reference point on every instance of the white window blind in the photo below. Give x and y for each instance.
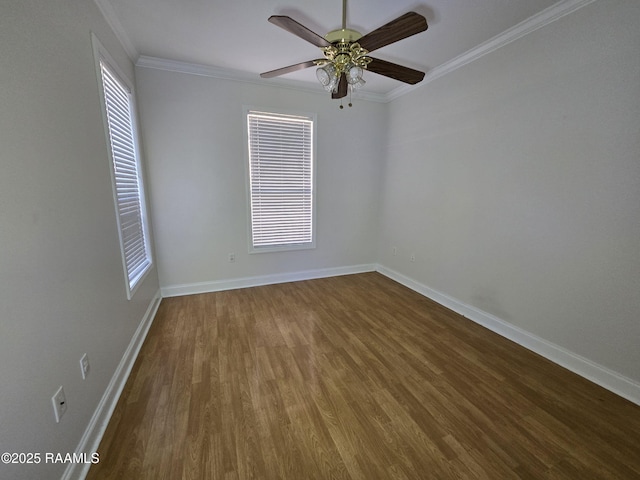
(126, 176)
(281, 180)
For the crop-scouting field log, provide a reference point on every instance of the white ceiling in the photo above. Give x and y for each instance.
(235, 35)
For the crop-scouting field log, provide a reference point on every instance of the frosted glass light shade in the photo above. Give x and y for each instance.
(355, 75)
(359, 84)
(327, 77)
(323, 76)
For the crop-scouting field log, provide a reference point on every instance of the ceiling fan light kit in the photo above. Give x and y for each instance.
(346, 52)
(343, 57)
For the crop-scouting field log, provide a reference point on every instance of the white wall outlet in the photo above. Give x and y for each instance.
(84, 366)
(232, 257)
(59, 402)
(394, 251)
(413, 257)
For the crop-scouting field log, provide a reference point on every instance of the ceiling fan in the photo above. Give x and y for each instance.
(346, 52)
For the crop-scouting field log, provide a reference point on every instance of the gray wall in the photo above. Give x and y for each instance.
(516, 181)
(193, 131)
(61, 281)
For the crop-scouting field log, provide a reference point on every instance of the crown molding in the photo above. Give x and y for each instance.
(110, 16)
(531, 24)
(241, 76)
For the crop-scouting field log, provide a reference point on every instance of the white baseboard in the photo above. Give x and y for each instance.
(97, 425)
(606, 378)
(244, 282)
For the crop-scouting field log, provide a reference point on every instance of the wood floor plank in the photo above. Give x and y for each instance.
(353, 377)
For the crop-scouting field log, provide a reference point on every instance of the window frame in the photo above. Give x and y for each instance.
(132, 282)
(312, 117)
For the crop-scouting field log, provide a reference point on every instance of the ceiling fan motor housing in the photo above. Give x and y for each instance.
(344, 35)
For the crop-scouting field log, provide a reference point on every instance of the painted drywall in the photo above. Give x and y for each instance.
(516, 182)
(62, 289)
(193, 132)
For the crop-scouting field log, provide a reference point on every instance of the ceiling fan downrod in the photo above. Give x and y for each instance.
(344, 14)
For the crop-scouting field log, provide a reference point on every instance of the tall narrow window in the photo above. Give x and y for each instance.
(126, 174)
(281, 180)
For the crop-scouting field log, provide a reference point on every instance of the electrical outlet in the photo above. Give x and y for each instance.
(59, 402)
(232, 257)
(84, 366)
(413, 257)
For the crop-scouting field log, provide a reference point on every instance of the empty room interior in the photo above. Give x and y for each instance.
(320, 240)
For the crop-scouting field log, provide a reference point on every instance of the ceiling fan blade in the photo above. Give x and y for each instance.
(342, 87)
(402, 27)
(289, 69)
(393, 70)
(291, 26)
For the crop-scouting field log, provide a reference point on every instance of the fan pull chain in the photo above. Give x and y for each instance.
(350, 104)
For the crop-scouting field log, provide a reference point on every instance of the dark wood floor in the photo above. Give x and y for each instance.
(353, 377)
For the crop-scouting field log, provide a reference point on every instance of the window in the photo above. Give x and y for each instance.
(120, 123)
(281, 181)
